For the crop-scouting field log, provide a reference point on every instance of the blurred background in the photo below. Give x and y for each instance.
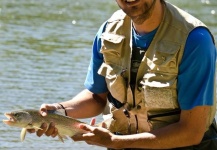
(45, 48)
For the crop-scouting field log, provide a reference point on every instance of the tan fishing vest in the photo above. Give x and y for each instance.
(155, 102)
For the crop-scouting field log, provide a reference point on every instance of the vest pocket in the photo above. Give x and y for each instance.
(159, 91)
(159, 83)
(165, 58)
(115, 81)
(111, 46)
(159, 98)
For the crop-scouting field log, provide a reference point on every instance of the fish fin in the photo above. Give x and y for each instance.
(38, 128)
(60, 137)
(64, 136)
(23, 134)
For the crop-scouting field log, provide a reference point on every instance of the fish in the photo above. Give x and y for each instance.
(32, 119)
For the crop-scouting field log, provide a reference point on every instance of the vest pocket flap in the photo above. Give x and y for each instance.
(168, 47)
(113, 38)
(109, 71)
(115, 82)
(159, 80)
(166, 54)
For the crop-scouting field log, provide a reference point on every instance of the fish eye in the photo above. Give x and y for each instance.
(16, 115)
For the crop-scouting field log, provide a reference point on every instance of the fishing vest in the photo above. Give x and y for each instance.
(153, 103)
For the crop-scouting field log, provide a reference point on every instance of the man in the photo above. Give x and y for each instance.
(155, 64)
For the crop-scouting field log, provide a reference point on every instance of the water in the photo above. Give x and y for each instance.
(45, 47)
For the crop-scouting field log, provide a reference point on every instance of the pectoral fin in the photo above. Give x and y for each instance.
(37, 128)
(60, 138)
(23, 134)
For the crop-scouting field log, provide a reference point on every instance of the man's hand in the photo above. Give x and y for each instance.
(48, 130)
(95, 136)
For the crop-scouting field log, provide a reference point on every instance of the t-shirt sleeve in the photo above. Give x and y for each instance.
(95, 82)
(196, 77)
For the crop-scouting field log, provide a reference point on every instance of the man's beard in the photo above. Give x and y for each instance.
(145, 15)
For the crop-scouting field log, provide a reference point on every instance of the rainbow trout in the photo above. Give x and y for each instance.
(32, 119)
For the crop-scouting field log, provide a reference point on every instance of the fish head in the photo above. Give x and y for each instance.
(20, 118)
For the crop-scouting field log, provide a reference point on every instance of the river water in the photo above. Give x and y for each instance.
(45, 47)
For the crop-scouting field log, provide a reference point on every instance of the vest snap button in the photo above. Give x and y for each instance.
(139, 85)
(138, 107)
(139, 88)
(126, 113)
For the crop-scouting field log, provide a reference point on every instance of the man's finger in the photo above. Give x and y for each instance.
(78, 137)
(93, 121)
(82, 137)
(45, 107)
(104, 125)
(41, 132)
(55, 133)
(86, 127)
(31, 130)
(51, 129)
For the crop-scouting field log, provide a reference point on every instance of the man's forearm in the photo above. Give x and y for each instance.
(188, 131)
(85, 104)
(160, 139)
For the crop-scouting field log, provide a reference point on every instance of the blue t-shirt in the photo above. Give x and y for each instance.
(196, 77)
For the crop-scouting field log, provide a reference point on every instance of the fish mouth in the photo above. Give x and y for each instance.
(11, 120)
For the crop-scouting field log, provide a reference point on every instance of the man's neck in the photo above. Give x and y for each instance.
(153, 22)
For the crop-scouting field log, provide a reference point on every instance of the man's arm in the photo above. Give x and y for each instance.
(85, 104)
(188, 131)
